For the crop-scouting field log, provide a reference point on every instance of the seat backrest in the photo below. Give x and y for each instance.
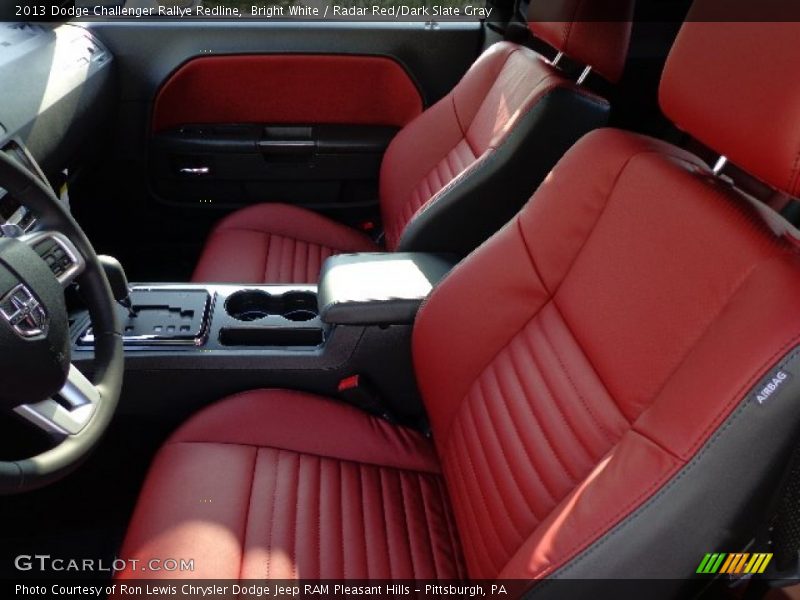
(460, 170)
(613, 377)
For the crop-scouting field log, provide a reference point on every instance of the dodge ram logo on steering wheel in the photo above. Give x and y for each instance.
(24, 312)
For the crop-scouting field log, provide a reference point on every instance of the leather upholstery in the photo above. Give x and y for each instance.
(632, 309)
(592, 32)
(511, 105)
(739, 103)
(485, 197)
(276, 243)
(576, 369)
(261, 486)
(463, 132)
(287, 88)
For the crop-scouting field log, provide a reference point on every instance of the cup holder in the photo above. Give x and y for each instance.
(248, 305)
(298, 306)
(251, 305)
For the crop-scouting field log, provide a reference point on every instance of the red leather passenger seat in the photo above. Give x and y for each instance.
(456, 173)
(593, 375)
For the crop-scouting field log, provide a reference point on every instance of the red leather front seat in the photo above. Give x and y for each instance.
(459, 171)
(597, 376)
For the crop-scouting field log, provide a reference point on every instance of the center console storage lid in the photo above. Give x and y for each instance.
(378, 288)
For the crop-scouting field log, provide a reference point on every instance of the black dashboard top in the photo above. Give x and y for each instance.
(51, 78)
(55, 89)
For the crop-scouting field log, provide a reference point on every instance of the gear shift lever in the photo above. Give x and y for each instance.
(118, 281)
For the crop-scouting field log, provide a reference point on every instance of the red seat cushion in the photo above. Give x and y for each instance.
(280, 484)
(275, 243)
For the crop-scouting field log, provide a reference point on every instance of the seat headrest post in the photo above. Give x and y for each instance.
(584, 74)
(590, 32)
(732, 85)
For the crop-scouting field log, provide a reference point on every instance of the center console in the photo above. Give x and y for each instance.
(199, 342)
(215, 317)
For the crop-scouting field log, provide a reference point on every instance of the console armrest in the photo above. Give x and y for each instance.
(378, 288)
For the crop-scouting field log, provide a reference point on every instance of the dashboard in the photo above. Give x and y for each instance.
(55, 92)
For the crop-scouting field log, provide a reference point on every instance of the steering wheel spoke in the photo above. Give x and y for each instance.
(60, 254)
(69, 411)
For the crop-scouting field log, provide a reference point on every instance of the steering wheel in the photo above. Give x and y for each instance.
(37, 380)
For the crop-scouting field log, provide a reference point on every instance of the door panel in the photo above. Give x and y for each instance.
(266, 73)
(306, 129)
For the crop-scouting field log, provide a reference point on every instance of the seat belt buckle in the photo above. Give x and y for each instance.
(358, 391)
